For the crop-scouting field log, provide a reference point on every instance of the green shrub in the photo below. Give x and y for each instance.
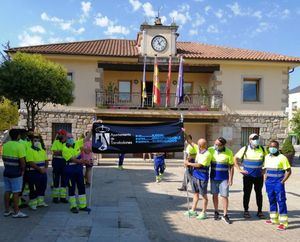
(287, 147)
(8, 114)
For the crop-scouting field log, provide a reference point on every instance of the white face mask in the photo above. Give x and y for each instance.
(255, 143)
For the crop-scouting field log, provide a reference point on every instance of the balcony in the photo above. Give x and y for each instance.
(119, 100)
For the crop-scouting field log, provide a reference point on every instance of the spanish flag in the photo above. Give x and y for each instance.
(156, 86)
(144, 92)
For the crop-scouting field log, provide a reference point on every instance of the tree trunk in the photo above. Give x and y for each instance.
(33, 113)
(28, 115)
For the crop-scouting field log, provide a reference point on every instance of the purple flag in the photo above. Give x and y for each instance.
(180, 81)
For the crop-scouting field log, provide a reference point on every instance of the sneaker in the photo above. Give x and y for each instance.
(63, 200)
(226, 219)
(86, 209)
(33, 207)
(74, 210)
(270, 222)
(202, 216)
(217, 216)
(19, 215)
(161, 176)
(281, 227)
(247, 215)
(182, 189)
(55, 200)
(120, 168)
(158, 179)
(191, 213)
(260, 215)
(43, 204)
(6, 214)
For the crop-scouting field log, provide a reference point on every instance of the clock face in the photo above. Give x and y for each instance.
(159, 43)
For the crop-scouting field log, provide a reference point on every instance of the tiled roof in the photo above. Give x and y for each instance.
(127, 48)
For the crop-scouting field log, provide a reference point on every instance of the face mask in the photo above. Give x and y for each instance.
(70, 141)
(218, 148)
(255, 142)
(37, 144)
(273, 150)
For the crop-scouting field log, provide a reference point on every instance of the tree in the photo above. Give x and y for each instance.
(295, 123)
(8, 114)
(36, 81)
(5, 56)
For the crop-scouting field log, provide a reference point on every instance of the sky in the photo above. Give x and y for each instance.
(271, 26)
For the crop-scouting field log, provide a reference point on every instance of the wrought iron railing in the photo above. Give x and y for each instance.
(134, 100)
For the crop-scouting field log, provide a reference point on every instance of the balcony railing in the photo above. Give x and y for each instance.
(134, 100)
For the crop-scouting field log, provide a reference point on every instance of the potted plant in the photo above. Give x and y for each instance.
(288, 150)
(110, 92)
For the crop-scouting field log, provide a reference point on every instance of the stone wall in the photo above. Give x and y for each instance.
(45, 119)
(270, 126)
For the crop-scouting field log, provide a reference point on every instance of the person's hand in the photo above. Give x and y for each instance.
(43, 170)
(186, 163)
(230, 183)
(183, 129)
(244, 172)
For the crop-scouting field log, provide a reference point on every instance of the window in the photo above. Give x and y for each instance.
(251, 90)
(70, 76)
(245, 134)
(124, 91)
(188, 91)
(58, 126)
(294, 106)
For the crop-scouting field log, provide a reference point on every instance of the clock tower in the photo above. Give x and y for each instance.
(157, 40)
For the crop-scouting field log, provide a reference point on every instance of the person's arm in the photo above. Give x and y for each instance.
(22, 165)
(231, 173)
(287, 174)
(196, 165)
(36, 167)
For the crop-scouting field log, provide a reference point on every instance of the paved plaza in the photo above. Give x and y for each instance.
(130, 206)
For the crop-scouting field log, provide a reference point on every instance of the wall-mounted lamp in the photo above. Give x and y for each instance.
(136, 82)
(174, 82)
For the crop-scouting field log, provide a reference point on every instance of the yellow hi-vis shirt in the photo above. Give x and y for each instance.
(70, 152)
(38, 157)
(192, 150)
(275, 167)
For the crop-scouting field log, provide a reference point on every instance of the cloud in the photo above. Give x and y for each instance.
(257, 14)
(219, 14)
(116, 29)
(102, 21)
(193, 32)
(79, 31)
(53, 40)
(285, 13)
(181, 15)
(37, 29)
(63, 24)
(200, 20)
(27, 39)
(85, 8)
(148, 10)
(46, 17)
(262, 27)
(212, 29)
(136, 4)
(236, 9)
(207, 9)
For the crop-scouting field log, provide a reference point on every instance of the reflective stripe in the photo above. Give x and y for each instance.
(10, 163)
(219, 169)
(72, 201)
(72, 164)
(10, 157)
(275, 175)
(252, 166)
(202, 170)
(274, 169)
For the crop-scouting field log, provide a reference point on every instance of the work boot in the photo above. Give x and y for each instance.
(182, 189)
(63, 200)
(86, 209)
(74, 210)
(55, 200)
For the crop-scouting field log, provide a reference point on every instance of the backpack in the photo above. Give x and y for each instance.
(260, 146)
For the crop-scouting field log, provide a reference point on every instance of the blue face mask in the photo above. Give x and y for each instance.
(273, 150)
(70, 141)
(255, 142)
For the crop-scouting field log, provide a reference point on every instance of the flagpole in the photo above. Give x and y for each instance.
(144, 94)
(168, 82)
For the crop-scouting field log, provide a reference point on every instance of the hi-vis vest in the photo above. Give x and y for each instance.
(205, 160)
(70, 152)
(252, 160)
(220, 163)
(38, 157)
(275, 167)
(11, 153)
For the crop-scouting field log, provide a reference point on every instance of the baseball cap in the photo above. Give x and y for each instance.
(253, 136)
(62, 132)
